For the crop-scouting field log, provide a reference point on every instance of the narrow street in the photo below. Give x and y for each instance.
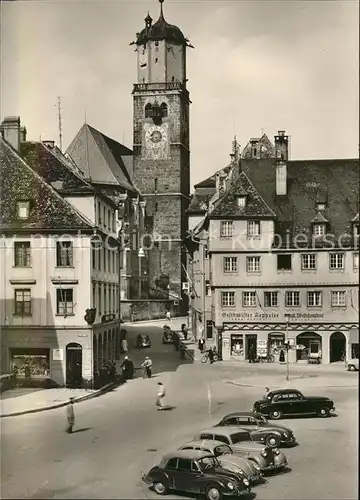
(120, 435)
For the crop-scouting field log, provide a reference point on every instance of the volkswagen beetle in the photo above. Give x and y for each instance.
(195, 472)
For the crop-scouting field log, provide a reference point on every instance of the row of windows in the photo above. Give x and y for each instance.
(292, 299)
(106, 217)
(105, 299)
(254, 227)
(105, 259)
(64, 254)
(227, 228)
(284, 262)
(64, 302)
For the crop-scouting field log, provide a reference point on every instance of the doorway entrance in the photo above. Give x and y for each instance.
(251, 343)
(337, 347)
(73, 365)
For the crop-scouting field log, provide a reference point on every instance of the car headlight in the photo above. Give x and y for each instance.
(231, 486)
(241, 472)
(257, 467)
(276, 451)
(264, 453)
(246, 482)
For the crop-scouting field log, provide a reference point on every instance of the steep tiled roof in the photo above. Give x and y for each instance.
(305, 179)
(101, 159)
(255, 205)
(199, 202)
(48, 210)
(54, 169)
(210, 182)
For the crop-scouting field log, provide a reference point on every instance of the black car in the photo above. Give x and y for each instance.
(143, 341)
(196, 472)
(260, 429)
(292, 402)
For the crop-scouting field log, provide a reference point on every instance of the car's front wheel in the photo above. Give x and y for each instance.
(160, 488)
(323, 412)
(272, 440)
(275, 415)
(213, 493)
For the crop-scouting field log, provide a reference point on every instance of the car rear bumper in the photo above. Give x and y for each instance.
(289, 442)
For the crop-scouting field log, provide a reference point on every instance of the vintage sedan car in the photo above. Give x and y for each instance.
(293, 402)
(195, 472)
(261, 430)
(143, 341)
(227, 458)
(267, 458)
(352, 365)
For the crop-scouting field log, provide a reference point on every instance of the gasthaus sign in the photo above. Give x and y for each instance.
(263, 316)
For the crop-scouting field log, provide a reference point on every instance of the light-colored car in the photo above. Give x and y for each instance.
(352, 365)
(267, 458)
(227, 458)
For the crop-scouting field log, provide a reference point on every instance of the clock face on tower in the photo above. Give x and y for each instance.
(156, 141)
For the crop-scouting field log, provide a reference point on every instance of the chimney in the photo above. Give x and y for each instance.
(49, 144)
(23, 133)
(281, 146)
(10, 129)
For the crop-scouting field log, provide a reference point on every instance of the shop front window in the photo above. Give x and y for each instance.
(237, 345)
(29, 363)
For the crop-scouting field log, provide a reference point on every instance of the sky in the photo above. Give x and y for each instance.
(256, 66)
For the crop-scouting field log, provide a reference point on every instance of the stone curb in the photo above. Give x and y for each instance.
(79, 399)
(234, 382)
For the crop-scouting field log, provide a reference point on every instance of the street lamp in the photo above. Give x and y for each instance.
(287, 316)
(141, 254)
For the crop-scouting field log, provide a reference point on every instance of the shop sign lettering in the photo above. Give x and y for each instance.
(263, 316)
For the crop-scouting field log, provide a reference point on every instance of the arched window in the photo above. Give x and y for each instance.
(164, 110)
(148, 111)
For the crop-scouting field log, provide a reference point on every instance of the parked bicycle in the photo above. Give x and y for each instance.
(205, 358)
(268, 358)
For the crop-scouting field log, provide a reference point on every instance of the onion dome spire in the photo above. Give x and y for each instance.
(161, 30)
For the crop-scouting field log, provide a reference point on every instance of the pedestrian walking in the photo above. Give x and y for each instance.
(127, 368)
(147, 368)
(168, 316)
(282, 356)
(124, 345)
(160, 396)
(201, 344)
(184, 331)
(211, 356)
(267, 390)
(251, 354)
(70, 415)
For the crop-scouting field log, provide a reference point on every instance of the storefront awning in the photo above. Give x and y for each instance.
(354, 336)
(277, 335)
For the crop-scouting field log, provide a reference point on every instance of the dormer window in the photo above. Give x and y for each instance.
(23, 209)
(319, 229)
(321, 206)
(241, 201)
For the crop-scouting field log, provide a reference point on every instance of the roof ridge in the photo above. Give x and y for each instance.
(42, 181)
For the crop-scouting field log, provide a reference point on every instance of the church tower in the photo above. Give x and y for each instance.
(161, 152)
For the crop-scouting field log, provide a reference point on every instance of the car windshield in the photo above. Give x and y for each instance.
(222, 450)
(208, 463)
(238, 437)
